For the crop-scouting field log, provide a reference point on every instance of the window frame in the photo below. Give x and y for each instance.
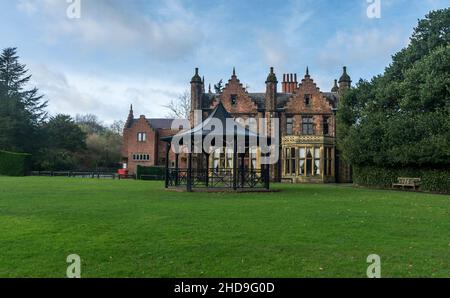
(307, 125)
(142, 137)
(307, 100)
(326, 124)
(233, 99)
(290, 125)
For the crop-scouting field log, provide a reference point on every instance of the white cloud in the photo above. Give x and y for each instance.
(280, 45)
(361, 46)
(26, 6)
(168, 33)
(106, 96)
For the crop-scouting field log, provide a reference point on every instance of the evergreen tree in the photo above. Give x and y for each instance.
(21, 110)
(402, 118)
(66, 142)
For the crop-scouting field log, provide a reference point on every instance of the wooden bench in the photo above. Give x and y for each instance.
(407, 182)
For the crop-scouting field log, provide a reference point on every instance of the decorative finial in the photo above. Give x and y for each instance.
(209, 88)
(234, 71)
(307, 70)
(271, 78)
(335, 87)
(196, 78)
(345, 77)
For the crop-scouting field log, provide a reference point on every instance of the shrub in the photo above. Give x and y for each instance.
(14, 164)
(157, 172)
(434, 180)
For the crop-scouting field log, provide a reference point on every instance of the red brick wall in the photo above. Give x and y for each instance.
(318, 107)
(133, 146)
(152, 146)
(244, 104)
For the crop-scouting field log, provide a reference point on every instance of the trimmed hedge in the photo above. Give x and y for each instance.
(159, 172)
(434, 180)
(14, 164)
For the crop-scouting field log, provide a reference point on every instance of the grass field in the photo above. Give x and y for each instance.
(136, 229)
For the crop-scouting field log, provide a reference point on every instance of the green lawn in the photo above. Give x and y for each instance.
(137, 229)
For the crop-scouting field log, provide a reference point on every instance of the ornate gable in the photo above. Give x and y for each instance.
(307, 98)
(235, 98)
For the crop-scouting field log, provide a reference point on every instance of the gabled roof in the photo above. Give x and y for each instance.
(160, 123)
(156, 123)
(332, 98)
(207, 127)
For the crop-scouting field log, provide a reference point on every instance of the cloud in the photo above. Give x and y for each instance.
(360, 46)
(279, 46)
(27, 7)
(106, 96)
(167, 33)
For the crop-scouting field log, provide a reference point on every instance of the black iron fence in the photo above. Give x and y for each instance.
(217, 178)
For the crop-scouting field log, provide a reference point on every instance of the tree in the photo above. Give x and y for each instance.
(218, 87)
(103, 150)
(64, 133)
(65, 142)
(180, 107)
(401, 118)
(117, 127)
(103, 144)
(89, 123)
(22, 111)
(14, 76)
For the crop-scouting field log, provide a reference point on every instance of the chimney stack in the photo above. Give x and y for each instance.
(289, 83)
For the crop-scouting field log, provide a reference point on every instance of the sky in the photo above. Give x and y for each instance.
(144, 53)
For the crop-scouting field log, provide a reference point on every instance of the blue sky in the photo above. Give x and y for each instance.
(144, 52)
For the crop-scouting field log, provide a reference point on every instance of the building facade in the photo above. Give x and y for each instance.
(307, 121)
(142, 143)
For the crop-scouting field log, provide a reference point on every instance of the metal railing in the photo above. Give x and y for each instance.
(217, 178)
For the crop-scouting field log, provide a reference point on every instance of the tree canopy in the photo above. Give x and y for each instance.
(402, 117)
(58, 142)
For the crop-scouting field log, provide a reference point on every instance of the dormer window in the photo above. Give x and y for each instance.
(233, 99)
(307, 99)
(142, 137)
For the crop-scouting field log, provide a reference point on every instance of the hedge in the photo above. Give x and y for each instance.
(433, 180)
(158, 173)
(14, 164)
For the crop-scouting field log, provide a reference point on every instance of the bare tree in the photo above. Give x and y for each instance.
(218, 87)
(180, 107)
(89, 123)
(117, 127)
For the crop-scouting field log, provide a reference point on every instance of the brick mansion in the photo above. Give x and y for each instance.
(307, 135)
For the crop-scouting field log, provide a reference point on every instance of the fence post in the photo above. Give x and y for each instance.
(267, 181)
(189, 173)
(167, 165)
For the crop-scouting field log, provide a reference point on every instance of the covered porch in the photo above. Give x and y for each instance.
(202, 172)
